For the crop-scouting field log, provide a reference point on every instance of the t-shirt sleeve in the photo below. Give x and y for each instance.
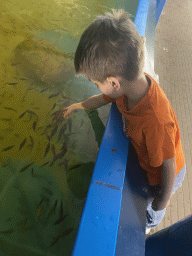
(107, 98)
(160, 143)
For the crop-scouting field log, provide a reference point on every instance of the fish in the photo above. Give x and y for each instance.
(52, 210)
(12, 83)
(14, 64)
(23, 78)
(70, 124)
(5, 119)
(40, 211)
(4, 165)
(10, 231)
(73, 144)
(44, 164)
(23, 114)
(44, 89)
(40, 203)
(8, 148)
(57, 239)
(48, 126)
(34, 125)
(53, 149)
(67, 232)
(35, 175)
(25, 167)
(60, 220)
(47, 149)
(22, 144)
(10, 109)
(64, 162)
(54, 95)
(64, 97)
(32, 141)
(54, 131)
(26, 228)
(54, 106)
(82, 122)
(63, 128)
(59, 156)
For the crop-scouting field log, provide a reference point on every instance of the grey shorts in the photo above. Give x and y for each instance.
(153, 218)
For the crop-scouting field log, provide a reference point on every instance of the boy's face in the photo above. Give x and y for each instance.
(111, 87)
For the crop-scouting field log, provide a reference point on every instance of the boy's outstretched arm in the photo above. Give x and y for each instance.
(168, 179)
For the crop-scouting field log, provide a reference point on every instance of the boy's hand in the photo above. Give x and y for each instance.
(69, 110)
(158, 204)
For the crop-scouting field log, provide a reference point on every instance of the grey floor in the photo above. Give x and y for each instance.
(173, 64)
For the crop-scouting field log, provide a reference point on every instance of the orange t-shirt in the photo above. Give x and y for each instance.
(153, 130)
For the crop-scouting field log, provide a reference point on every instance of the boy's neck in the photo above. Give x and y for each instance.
(136, 90)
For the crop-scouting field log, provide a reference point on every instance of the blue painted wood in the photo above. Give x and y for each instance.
(175, 240)
(160, 6)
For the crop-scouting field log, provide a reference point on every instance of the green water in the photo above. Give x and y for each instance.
(46, 162)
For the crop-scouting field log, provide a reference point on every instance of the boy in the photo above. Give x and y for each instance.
(111, 55)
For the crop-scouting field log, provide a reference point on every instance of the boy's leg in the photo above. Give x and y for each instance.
(153, 218)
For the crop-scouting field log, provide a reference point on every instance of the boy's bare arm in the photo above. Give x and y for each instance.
(94, 102)
(168, 178)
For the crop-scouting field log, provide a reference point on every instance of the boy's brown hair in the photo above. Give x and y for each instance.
(110, 46)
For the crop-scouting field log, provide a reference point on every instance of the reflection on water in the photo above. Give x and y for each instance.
(46, 161)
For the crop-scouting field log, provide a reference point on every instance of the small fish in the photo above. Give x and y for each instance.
(53, 150)
(4, 165)
(8, 148)
(67, 232)
(59, 156)
(40, 211)
(73, 144)
(44, 164)
(10, 109)
(65, 144)
(70, 124)
(40, 203)
(10, 231)
(57, 239)
(22, 144)
(5, 119)
(14, 64)
(25, 167)
(23, 113)
(35, 175)
(34, 125)
(64, 97)
(47, 149)
(60, 220)
(12, 83)
(63, 128)
(52, 210)
(44, 89)
(53, 95)
(32, 141)
(54, 131)
(48, 126)
(64, 162)
(61, 210)
(54, 106)
(82, 122)
(26, 228)
(24, 78)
